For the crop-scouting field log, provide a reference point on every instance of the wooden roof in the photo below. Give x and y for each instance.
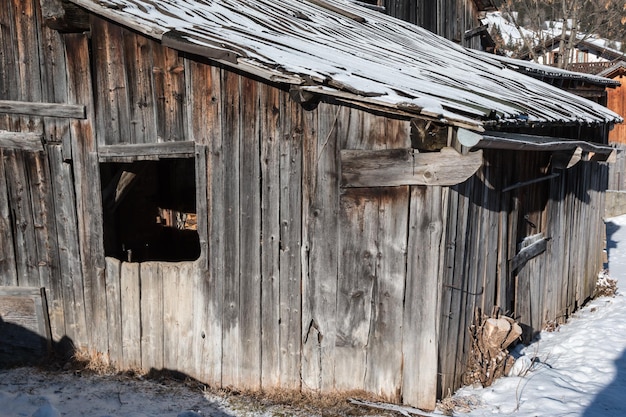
(338, 48)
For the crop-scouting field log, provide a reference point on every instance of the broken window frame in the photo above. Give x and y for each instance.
(136, 153)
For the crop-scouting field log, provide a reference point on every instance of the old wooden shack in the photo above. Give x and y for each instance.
(304, 194)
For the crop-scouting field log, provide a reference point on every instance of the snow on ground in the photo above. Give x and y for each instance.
(579, 371)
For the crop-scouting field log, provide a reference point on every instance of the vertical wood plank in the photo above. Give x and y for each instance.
(152, 316)
(185, 318)
(28, 62)
(271, 134)
(168, 93)
(8, 271)
(54, 85)
(114, 311)
(250, 230)
(87, 186)
(290, 244)
(46, 237)
(231, 352)
(68, 246)
(110, 83)
(216, 213)
(388, 293)
(384, 359)
(172, 313)
(358, 253)
(321, 175)
(130, 301)
(138, 59)
(421, 314)
(23, 224)
(357, 270)
(8, 60)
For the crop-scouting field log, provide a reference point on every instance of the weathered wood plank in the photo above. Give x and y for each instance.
(54, 85)
(68, 247)
(8, 61)
(449, 318)
(130, 302)
(393, 167)
(529, 252)
(138, 59)
(357, 249)
(152, 316)
(28, 141)
(423, 286)
(44, 216)
(231, 203)
(271, 132)
(169, 93)
(388, 295)
(8, 271)
(216, 213)
(173, 313)
(28, 62)
(250, 230)
(110, 77)
(114, 311)
(23, 227)
(358, 258)
(73, 111)
(87, 186)
(290, 144)
(320, 179)
(185, 318)
(147, 151)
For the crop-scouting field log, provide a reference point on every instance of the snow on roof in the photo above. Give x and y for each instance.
(554, 72)
(336, 47)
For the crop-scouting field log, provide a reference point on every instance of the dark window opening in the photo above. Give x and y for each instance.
(150, 210)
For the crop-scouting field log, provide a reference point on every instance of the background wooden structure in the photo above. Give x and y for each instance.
(300, 283)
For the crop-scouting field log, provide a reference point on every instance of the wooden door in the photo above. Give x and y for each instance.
(39, 242)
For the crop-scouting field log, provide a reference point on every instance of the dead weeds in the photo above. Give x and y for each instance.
(283, 402)
(605, 286)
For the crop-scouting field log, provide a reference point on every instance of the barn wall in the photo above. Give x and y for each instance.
(301, 283)
(450, 19)
(485, 227)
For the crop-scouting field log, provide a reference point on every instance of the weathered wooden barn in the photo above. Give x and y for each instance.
(299, 194)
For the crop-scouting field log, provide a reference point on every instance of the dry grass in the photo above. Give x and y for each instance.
(274, 402)
(89, 361)
(282, 402)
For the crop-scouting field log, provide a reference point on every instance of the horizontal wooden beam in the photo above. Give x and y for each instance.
(394, 167)
(71, 111)
(146, 151)
(22, 141)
